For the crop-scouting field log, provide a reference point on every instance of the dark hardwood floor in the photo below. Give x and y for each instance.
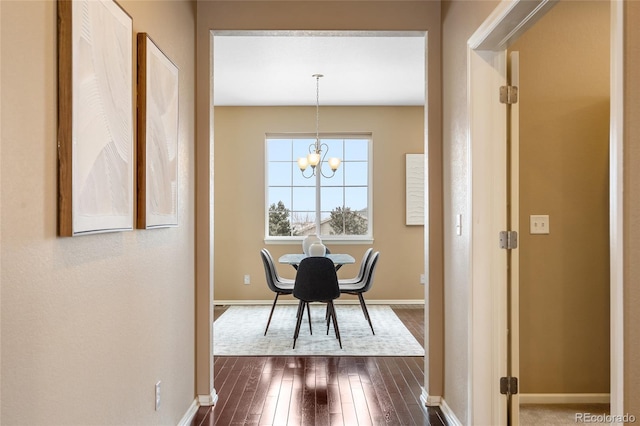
(322, 390)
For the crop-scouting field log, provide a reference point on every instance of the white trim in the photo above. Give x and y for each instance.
(208, 400)
(488, 263)
(509, 20)
(191, 412)
(449, 416)
(298, 240)
(616, 209)
(564, 398)
(337, 302)
(429, 400)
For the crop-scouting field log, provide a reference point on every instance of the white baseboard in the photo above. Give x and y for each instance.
(564, 398)
(449, 416)
(208, 400)
(338, 302)
(430, 400)
(191, 412)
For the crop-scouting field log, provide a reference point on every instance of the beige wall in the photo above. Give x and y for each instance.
(316, 15)
(89, 323)
(564, 172)
(240, 196)
(460, 19)
(632, 209)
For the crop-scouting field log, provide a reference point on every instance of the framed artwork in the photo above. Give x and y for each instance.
(95, 118)
(157, 137)
(415, 189)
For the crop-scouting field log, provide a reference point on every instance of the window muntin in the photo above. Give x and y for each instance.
(345, 198)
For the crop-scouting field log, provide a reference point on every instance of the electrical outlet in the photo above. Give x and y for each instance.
(247, 279)
(422, 280)
(158, 395)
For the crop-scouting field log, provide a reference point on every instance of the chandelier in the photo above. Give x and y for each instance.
(315, 158)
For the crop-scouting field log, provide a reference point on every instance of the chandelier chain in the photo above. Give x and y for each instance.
(317, 108)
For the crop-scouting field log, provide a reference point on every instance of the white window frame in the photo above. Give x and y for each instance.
(333, 239)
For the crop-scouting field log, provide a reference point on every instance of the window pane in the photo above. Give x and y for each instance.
(331, 198)
(356, 198)
(346, 221)
(355, 173)
(335, 180)
(279, 194)
(279, 149)
(336, 148)
(356, 149)
(303, 222)
(299, 179)
(279, 174)
(304, 199)
(279, 220)
(301, 148)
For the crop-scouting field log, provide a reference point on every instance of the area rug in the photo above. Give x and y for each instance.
(239, 332)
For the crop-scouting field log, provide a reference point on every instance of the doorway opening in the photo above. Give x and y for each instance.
(268, 86)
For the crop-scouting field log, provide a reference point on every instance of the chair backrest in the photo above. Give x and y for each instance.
(370, 271)
(268, 271)
(363, 263)
(316, 280)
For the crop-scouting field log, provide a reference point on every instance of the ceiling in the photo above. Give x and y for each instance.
(276, 68)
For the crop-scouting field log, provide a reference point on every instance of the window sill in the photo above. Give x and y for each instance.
(327, 241)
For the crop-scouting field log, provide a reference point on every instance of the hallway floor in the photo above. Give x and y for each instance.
(322, 390)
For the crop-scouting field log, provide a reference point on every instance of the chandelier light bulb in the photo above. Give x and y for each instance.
(313, 158)
(303, 163)
(334, 163)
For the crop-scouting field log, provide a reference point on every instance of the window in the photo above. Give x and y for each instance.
(340, 205)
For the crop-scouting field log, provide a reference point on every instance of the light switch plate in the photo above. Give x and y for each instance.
(539, 224)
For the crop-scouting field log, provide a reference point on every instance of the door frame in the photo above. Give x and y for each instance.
(486, 54)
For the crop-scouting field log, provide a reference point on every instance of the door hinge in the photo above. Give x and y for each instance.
(508, 240)
(508, 385)
(508, 95)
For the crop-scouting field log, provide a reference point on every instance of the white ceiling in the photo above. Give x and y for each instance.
(276, 68)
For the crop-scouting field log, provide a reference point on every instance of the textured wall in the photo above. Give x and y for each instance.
(460, 19)
(240, 207)
(89, 323)
(564, 172)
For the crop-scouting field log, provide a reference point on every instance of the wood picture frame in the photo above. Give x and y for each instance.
(158, 121)
(95, 117)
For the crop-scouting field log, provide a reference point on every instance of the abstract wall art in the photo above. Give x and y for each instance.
(415, 189)
(95, 118)
(157, 137)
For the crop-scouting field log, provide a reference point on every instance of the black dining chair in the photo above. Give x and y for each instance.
(316, 281)
(276, 283)
(360, 287)
(363, 264)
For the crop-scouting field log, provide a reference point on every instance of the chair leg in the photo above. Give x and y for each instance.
(366, 311)
(335, 322)
(309, 315)
(298, 322)
(271, 313)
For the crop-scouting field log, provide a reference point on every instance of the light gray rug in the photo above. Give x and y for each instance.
(239, 332)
